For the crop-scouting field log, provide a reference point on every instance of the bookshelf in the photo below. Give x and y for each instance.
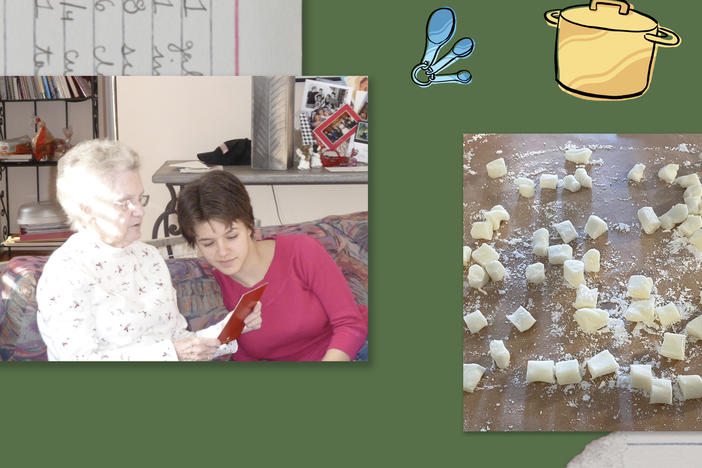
(33, 90)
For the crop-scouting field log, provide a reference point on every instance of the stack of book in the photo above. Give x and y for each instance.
(41, 224)
(16, 157)
(48, 237)
(17, 88)
(45, 232)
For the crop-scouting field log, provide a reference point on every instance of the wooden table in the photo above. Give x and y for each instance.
(503, 400)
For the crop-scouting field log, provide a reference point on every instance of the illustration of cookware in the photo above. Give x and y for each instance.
(606, 50)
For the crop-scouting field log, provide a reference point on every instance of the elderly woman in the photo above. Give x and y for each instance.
(309, 310)
(105, 295)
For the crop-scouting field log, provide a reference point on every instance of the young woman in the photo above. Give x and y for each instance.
(308, 309)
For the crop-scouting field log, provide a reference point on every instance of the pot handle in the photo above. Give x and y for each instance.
(623, 6)
(552, 16)
(668, 37)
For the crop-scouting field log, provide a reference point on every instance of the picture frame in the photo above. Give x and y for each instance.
(362, 132)
(317, 116)
(338, 128)
(358, 144)
(361, 104)
(328, 95)
(359, 87)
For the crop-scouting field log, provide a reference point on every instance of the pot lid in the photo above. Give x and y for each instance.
(613, 15)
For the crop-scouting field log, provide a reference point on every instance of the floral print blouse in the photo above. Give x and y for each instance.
(98, 302)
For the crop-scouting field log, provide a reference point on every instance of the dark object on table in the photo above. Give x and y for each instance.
(230, 153)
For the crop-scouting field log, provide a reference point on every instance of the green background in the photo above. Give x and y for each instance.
(405, 406)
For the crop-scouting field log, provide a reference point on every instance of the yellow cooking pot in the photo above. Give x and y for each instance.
(606, 50)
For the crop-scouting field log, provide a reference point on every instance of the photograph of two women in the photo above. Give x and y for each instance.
(86, 277)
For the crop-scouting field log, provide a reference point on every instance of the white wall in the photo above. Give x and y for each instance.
(299, 203)
(177, 117)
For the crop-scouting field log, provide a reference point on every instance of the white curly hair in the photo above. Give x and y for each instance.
(87, 171)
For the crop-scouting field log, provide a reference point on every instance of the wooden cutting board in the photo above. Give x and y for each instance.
(503, 400)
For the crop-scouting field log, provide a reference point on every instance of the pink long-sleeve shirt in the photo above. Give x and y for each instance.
(307, 307)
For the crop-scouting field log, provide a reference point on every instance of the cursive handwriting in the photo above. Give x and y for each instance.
(69, 58)
(67, 12)
(100, 4)
(185, 57)
(187, 8)
(133, 6)
(46, 5)
(157, 4)
(41, 57)
(101, 62)
(73, 30)
(155, 64)
(126, 50)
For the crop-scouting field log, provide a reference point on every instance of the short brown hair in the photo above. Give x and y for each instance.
(217, 195)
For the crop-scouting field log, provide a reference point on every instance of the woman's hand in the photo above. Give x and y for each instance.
(253, 321)
(195, 348)
(334, 354)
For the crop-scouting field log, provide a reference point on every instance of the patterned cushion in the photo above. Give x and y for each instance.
(19, 335)
(199, 298)
(346, 239)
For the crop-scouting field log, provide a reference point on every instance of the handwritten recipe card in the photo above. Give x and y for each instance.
(151, 37)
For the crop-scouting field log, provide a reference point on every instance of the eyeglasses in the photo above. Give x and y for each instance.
(130, 204)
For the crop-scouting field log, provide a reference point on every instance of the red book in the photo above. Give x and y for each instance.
(21, 81)
(244, 307)
(83, 84)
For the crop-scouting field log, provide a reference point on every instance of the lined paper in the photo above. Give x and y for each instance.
(151, 37)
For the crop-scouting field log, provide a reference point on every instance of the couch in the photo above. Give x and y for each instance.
(345, 237)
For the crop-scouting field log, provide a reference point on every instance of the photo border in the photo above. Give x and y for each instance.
(319, 130)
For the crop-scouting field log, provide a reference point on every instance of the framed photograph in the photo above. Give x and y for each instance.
(358, 85)
(318, 116)
(361, 104)
(338, 128)
(362, 132)
(327, 95)
(358, 144)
